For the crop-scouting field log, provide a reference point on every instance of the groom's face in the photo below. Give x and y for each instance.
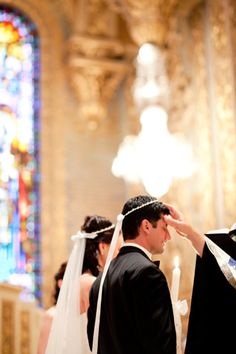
(158, 236)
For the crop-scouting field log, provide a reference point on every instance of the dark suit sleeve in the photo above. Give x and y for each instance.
(153, 312)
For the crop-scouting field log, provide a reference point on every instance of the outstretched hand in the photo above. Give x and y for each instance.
(174, 212)
(180, 227)
(176, 220)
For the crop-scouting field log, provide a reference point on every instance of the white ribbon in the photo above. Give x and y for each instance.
(111, 251)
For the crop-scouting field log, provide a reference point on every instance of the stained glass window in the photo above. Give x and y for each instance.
(19, 151)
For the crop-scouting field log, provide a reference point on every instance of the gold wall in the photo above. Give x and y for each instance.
(20, 322)
(201, 53)
(76, 178)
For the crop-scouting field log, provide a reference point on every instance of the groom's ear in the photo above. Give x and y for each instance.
(145, 225)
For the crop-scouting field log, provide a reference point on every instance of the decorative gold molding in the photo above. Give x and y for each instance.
(96, 68)
(25, 331)
(186, 6)
(148, 21)
(97, 60)
(8, 333)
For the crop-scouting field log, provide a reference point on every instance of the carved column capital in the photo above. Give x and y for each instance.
(148, 21)
(96, 68)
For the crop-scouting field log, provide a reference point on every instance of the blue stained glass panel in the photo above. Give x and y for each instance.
(19, 151)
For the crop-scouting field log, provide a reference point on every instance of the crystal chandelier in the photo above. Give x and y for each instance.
(154, 157)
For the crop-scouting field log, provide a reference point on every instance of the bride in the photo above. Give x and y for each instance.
(88, 257)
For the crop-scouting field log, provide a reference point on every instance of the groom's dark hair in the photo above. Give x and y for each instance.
(152, 212)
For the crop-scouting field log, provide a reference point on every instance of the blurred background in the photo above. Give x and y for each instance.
(101, 100)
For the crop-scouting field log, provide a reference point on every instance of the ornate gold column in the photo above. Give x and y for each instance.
(97, 60)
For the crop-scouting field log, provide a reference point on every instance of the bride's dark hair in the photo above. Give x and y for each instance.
(92, 224)
(58, 276)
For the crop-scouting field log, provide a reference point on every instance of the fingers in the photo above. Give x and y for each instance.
(178, 225)
(174, 212)
(169, 206)
(170, 220)
(181, 233)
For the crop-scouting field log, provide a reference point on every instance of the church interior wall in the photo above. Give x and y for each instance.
(76, 177)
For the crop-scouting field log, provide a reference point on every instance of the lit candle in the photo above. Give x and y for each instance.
(175, 281)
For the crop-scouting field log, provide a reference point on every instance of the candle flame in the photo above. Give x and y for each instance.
(176, 261)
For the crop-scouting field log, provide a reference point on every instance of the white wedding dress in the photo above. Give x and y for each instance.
(84, 338)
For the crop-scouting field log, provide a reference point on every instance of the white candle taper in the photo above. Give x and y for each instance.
(175, 281)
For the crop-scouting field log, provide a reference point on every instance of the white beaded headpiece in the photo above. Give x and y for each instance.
(90, 235)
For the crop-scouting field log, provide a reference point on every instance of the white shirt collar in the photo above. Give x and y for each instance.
(140, 247)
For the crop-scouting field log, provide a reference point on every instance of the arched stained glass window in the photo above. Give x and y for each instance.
(19, 150)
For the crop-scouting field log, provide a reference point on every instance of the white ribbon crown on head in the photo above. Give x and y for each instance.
(90, 235)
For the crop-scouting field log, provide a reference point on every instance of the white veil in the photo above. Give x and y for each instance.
(65, 334)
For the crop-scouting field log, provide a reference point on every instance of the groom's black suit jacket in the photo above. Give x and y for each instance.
(136, 313)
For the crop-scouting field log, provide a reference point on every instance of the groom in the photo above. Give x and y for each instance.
(136, 310)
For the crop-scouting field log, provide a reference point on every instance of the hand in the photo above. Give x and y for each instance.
(175, 219)
(180, 227)
(174, 212)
